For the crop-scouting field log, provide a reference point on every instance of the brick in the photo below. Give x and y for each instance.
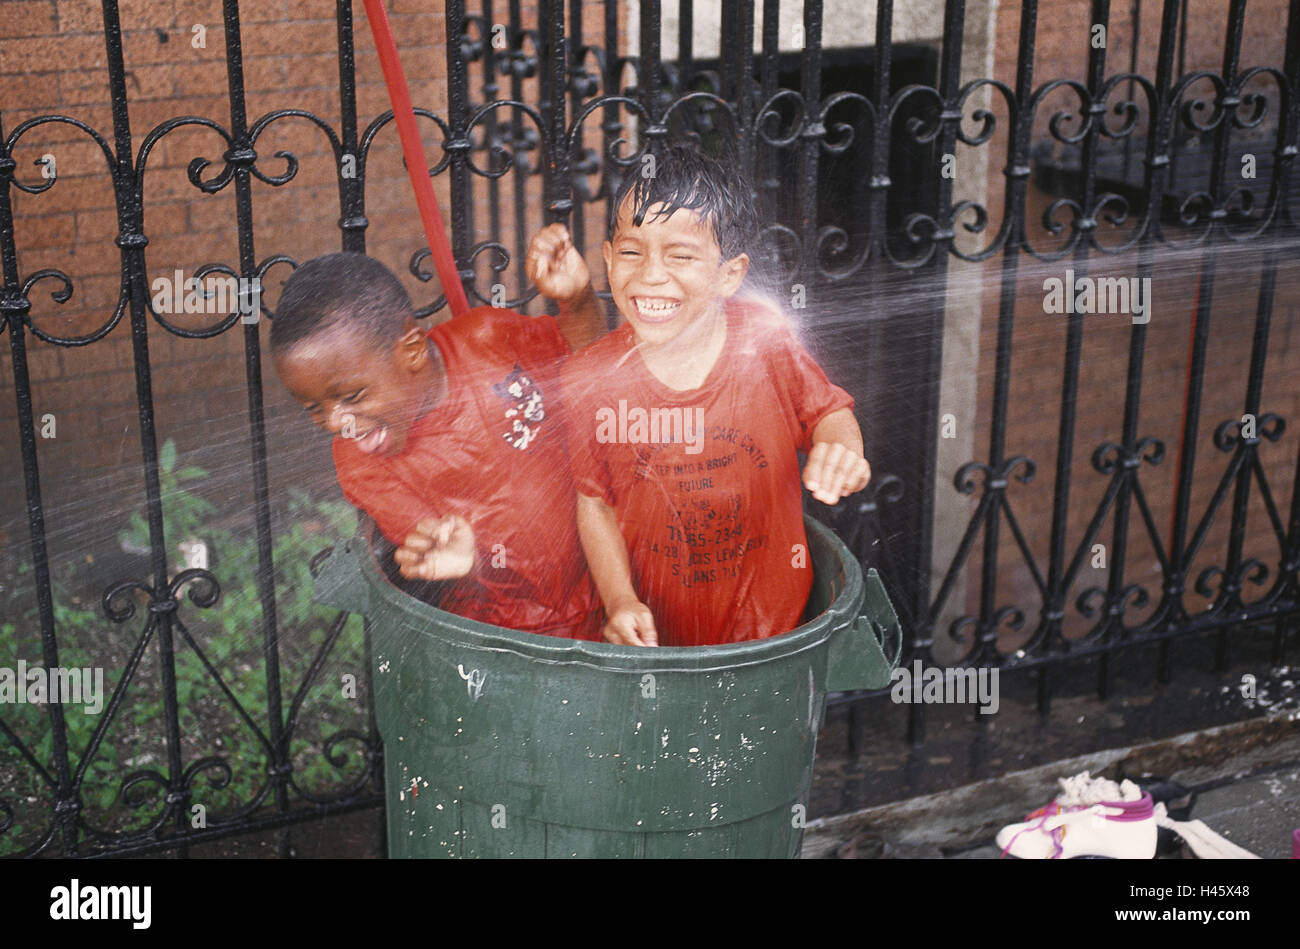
(75, 16)
(71, 194)
(26, 19)
(50, 53)
(36, 92)
(290, 39)
(315, 71)
(174, 44)
(47, 230)
(412, 6)
(200, 372)
(88, 87)
(150, 15)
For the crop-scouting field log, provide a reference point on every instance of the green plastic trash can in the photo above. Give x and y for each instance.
(499, 743)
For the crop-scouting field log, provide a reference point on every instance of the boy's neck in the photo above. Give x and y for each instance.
(435, 385)
(684, 362)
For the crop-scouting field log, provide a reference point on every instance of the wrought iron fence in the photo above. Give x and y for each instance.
(884, 134)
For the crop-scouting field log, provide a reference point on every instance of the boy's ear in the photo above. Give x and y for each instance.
(733, 275)
(412, 349)
(607, 251)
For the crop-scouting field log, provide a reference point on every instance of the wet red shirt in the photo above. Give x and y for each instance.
(705, 483)
(493, 452)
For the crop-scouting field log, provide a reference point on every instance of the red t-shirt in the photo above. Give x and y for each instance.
(493, 452)
(708, 499)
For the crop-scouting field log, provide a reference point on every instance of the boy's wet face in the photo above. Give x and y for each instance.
(667, 273)
(352, 389)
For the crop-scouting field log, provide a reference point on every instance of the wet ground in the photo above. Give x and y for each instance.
(1242, 781)
(864, 759)
(1242, 754)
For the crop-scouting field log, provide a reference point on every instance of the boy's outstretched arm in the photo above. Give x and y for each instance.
(836, 467)
(628, 621)
(557, 269)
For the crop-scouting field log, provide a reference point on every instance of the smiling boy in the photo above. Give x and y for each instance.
(450, 439)
(698, 541)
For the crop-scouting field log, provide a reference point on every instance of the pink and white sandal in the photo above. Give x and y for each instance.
(1092, 817)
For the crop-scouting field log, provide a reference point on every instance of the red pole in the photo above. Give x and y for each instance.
(430, 216)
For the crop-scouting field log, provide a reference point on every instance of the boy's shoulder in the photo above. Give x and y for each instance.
(604, 353)
(488, 330)
(759, 318)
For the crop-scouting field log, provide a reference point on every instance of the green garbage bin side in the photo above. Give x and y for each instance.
(501, 743)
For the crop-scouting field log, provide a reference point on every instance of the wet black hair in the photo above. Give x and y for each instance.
(343, 289)
(686, 178)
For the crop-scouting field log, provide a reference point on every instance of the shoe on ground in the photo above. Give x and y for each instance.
(1092, 817)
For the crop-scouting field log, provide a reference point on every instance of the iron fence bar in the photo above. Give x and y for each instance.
(1182, 71)
(949, 89)
(1100, 16)
(457, 144)
(278, 822)
(14, 307)
(996, 477)
(1017, 173)
(353, 224)
(1156, 173)
(556, 185)
(765, 181)
(686, 42)
(1231, 64)
(518, 69)
(242, 157)
(652, 131)
(352, 221)
(728, 68)
(577, 227)
(1217, 215)
(744, 61)
(811, 137)
(1127, 471)
(878, 193)
(491, 127)
(611, 85)
(133, 241)
(1288, 138)
(1135, 44)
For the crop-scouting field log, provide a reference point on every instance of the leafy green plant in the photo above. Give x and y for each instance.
(230, 634)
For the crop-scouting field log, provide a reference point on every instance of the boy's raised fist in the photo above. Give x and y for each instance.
(554, 265)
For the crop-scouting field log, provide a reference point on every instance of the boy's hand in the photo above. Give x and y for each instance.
(630, 623)
(834, 471)
(554, 265)
(438, 549)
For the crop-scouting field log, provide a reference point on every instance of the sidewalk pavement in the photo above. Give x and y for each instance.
(1246, 777)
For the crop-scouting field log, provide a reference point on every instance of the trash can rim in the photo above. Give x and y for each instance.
(609, 657)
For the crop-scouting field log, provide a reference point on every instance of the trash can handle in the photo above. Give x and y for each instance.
(864, 653)
(339, 581)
